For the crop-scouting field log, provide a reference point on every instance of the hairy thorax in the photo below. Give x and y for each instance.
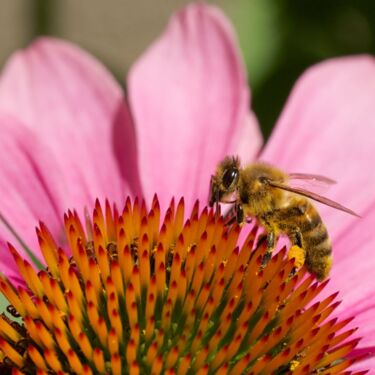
(256, 197)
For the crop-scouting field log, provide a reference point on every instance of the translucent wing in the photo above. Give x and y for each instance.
(311, 177)
(313, 196)
(311, 182)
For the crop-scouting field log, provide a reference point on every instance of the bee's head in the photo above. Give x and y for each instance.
(225, 180)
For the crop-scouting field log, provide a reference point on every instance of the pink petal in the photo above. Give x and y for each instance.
(250, 140)
(328, 127)
(26, 189)
(8, 265)
(352, 275)
(71, 103)
(367, 363)
(189, 102)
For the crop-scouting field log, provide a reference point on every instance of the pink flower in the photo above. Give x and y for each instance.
(68, 135)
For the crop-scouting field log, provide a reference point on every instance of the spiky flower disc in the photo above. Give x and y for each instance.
(137, 297)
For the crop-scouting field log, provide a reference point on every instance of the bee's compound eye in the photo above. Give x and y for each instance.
(263, 180)
(230, 177)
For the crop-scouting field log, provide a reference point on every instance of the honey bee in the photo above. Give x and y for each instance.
(265, 193)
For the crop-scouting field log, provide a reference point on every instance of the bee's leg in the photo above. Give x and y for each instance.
(239, 214)
(298, 239)
(231, 221)
(298, 252)
(231, 216)
(271, 240)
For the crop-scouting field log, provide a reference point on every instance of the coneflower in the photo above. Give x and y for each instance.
(145, 295)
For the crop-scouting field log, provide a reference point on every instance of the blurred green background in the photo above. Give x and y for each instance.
(279, 39)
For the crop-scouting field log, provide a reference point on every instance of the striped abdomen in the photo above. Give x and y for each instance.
(316, 243)
(306, 229)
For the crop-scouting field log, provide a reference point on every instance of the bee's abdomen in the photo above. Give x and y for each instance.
(316, 242)
(302, 223)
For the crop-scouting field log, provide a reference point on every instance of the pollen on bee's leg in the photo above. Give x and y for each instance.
(298, 254)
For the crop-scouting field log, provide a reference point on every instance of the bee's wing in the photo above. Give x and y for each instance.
(313, 196)
(310, 182)
(312, 177)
